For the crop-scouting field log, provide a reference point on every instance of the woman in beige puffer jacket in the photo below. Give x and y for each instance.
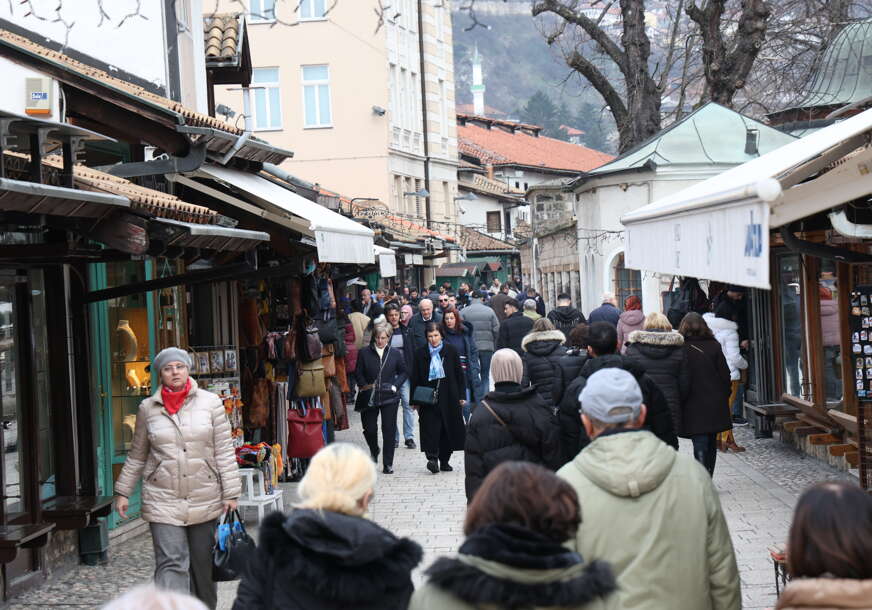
(183, 452)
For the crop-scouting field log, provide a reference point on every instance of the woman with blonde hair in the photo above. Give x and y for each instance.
(660, 351)
(326, 555)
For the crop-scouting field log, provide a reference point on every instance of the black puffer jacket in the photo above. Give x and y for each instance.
(568, 368)
(513, 330)
(531, 433)
(662, 356)
(323, 560)
(573, 437)
(542, 351)
(565, 318)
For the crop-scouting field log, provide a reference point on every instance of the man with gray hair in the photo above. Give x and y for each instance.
(607, 312)
(530, 310)
(651, 512)
(418, 323)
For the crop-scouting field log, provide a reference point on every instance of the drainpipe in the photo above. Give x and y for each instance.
(423, 75)
(241, 140)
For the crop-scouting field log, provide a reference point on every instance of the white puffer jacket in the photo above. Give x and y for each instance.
(186, 461)
(727, 334)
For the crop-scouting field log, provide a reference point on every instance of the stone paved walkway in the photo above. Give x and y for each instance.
(758, 491)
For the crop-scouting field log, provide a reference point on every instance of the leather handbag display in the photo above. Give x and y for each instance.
(233, 550)
(305, 437)
(310, 379)
(311, 345)
(289, 348)
(425, 395)
(257, 409)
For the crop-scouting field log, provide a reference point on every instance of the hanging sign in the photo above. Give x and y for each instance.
(387, 264)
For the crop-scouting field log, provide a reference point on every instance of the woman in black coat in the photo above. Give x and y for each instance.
(660, 351)
(437, 365)
(570, 364)
(702, 413)
(543, 348)
(512, 423)
(380, 373)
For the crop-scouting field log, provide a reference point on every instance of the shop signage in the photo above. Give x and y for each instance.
(387, 264)
(369, 209)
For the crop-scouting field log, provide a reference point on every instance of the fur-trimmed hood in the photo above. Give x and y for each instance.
(511, 567)
(549, 340)
(337, 557)
(653, 337)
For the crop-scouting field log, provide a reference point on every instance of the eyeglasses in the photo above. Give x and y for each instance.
(443, 300)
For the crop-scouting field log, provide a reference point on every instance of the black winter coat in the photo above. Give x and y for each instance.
(573, 437)
(542, 351)
(513, 330)
(662, 355)
(418, 329)
(323, 560)
(568, 367)
(703, 411)
(448, 410)
(393, 375)
(531, 433)
(565, 318)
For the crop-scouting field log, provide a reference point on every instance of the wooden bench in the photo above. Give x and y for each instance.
(765, 416)
(27, 536)
(76, 512)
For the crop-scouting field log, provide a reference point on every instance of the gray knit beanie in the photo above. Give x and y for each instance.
(171, 354)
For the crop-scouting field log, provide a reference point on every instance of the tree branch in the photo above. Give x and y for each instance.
(601, 83)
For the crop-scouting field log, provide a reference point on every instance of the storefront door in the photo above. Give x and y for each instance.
(122, 346)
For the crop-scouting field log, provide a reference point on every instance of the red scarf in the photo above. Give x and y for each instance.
(173, 400)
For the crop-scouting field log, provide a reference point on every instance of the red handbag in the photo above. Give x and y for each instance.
(305, 437)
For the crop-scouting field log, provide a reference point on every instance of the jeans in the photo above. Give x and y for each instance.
(183, 559)
(408, 413)
(369, 418)
(484, 359)
(705, 450)
(467, 407)
(739, 402)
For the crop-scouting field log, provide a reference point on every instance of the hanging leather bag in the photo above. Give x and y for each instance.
(289, 348)
(310, 379)
(311, 345)
(257, 410)
(328, 359)
(304, 432)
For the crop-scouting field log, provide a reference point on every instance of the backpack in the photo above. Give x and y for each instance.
(690, 298)
(311, 345)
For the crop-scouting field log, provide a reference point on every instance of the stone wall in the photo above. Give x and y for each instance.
(557, 265)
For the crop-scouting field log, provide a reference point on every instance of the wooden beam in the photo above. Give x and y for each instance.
(790, 426)
(806, 430)
(839, 450)
(824, 439)
(853, 458)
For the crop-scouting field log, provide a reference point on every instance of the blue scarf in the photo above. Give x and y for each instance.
(436, 369)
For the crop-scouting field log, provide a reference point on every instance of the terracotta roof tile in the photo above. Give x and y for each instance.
(498, 147)
(473, 240)
(221, 35)
(66, 62)
(485, 184)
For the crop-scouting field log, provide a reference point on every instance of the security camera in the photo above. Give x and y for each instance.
(378, 110)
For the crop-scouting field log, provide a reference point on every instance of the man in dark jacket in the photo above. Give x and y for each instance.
(532, 294)
(418, 323)
(368, 305)
(607, 312)
(602, 343)
(514, 328)
(499, 300)
(565, 317)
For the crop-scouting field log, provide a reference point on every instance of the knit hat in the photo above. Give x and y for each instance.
(170, 354)
(612, 396)
(506, 365)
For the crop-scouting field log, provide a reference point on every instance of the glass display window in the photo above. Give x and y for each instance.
(794, 369)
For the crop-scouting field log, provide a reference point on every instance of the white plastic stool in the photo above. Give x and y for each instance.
(253, 493)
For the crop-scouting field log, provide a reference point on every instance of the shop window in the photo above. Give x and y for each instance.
(493, 222)
(793, 364)
(626, 281)
(830, 330)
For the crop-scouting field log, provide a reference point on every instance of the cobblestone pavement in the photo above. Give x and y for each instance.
(758, 491)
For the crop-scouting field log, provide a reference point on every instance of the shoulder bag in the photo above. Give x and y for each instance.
(233, 549)
(310, 379)
(494, 413)
(425, 395)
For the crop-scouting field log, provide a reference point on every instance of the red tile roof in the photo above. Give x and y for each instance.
(499, 147)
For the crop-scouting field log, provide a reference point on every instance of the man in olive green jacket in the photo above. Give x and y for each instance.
(648, 510)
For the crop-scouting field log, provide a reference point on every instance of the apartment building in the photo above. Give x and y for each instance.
(342, 87)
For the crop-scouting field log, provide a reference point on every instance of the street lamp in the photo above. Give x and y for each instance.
(470, 196)
(421, 193)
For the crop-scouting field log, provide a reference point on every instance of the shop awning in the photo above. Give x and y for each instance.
(36, 198)
(208, 237)
(718, 229)
(338, 239)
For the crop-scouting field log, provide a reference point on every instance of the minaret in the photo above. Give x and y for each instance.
(477, 84)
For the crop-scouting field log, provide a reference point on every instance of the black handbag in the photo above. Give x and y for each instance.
(425, 395)
(327, 331)
(233, 550)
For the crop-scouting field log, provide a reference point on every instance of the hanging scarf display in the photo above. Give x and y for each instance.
(173, 400)
(436, 369)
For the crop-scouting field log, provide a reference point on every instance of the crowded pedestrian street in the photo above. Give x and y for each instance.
(758, 490)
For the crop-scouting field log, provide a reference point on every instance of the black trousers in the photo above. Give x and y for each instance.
(369, 418)
(705, 450)
(442, 442)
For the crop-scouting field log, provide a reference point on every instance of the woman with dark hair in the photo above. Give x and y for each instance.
(829, 549)
(513, 555)
(569, 365)
(437, 394)
(702, 412)
(458, 332)
(542, 348)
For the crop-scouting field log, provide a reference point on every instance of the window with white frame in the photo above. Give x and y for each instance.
(262, 11)
(316, 96)
(312, 9)
(267, 99)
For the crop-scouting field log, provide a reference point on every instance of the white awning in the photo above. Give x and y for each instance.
(387, 261)
(338, 239)
(210, 237)
(718, 229)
